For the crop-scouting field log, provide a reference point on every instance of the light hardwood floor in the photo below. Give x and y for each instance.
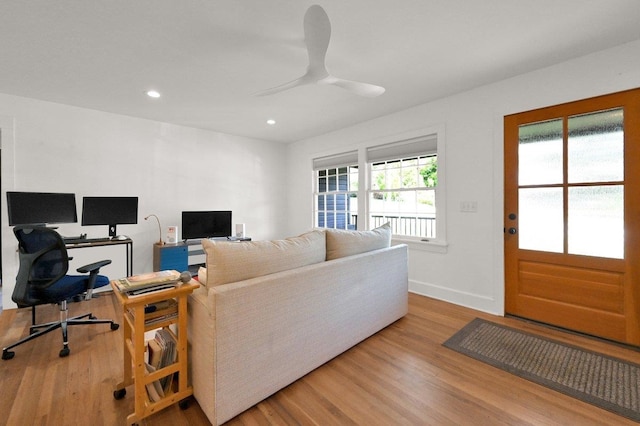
(401, 375)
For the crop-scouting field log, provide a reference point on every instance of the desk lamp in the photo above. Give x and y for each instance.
(160, 242)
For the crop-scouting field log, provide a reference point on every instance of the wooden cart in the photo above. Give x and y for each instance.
(136, 323)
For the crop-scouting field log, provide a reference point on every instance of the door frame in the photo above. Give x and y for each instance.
(630, 100)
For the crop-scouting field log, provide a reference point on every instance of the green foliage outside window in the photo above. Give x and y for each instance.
(390, 177)
(430, 173)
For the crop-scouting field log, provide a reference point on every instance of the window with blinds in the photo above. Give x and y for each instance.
(401, 187)
(336, 195)
(402, 190)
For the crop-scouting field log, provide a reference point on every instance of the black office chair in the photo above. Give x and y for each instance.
(42, 279)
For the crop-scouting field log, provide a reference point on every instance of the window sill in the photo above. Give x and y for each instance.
(433, 246)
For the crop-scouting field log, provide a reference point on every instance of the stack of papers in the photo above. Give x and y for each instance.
(144, 283)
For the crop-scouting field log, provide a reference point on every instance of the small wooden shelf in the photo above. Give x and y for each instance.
(136, 323)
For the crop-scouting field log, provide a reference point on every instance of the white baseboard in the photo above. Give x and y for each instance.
(474, 301)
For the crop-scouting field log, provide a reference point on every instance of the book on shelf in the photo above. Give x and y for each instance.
(138, 284)
(158, 320)
(169, 355)
(150, 290)
(154, 389)
(159, 311)
(155, 353)
(162, 352)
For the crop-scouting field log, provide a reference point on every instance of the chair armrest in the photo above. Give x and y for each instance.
(93, 266)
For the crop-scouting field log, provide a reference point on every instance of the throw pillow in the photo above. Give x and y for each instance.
(202, 276)
(229, 262)
(341, 243)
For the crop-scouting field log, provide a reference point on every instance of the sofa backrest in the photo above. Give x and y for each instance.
(236, 261)
(342, 243)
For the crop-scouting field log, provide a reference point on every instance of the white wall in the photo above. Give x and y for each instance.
(51, 147)
(470, 273)
(56, 148)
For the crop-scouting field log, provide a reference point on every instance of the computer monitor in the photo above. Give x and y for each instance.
(206, 224)
(109, 211)
(41, 208)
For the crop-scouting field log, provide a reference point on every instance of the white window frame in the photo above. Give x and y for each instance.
(398, 165)
(438, 244)
(337, 161)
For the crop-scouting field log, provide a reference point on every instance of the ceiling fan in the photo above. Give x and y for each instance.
(317, 32)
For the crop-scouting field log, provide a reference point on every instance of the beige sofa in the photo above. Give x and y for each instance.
(272, 311)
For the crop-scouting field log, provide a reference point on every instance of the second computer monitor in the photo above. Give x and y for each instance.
(110, 211)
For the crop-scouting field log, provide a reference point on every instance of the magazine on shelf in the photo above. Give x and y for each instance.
(168, 355)
(151, 280)
(157, 312)
(162, 352)
(168, 315)
(160, 311)
(154, 389)
(152, 289)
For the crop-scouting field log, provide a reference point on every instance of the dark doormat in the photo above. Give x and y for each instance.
(604, 381)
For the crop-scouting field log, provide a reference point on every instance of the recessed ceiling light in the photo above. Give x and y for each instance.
(153, 93)
(271, 122)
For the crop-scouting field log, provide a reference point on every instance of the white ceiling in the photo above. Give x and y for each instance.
(207, 57)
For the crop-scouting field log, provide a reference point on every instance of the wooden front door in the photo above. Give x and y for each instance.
(572, 215)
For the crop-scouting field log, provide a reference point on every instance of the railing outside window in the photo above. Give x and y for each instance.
(403, 193)
(400, 185)
(424, 227)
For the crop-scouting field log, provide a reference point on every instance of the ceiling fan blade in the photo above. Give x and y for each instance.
(317, 33)
(297, 82)
(357, 87)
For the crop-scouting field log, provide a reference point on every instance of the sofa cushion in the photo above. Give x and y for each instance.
(229, 262)
(342, 243)
(202, 276)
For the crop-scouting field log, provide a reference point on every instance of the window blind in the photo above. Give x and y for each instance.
(423, 145)
(338, 160)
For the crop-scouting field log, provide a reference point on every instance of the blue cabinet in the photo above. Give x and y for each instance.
(171, 256)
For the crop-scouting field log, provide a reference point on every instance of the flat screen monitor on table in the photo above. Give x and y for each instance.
(206, 224)
(41, 208)
(110, 211)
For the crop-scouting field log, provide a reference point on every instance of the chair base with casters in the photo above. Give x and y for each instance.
(42, 280)
(38, 330)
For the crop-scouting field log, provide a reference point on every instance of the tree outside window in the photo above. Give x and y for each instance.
(403, 193)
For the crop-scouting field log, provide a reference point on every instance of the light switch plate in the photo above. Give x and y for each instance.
(468, 206)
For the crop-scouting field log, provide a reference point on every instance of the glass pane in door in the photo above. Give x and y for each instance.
(595, 147)
(596, 221)
(541, 220)
(540, 153)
